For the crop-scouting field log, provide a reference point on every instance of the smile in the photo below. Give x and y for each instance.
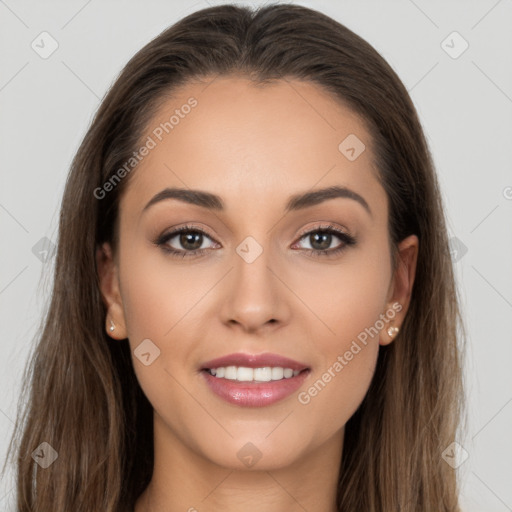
(245, 374)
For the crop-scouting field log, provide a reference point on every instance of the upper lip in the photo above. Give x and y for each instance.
(254, 361)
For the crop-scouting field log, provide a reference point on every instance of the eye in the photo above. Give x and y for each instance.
(188, 241)
(184, 241)
(321, 238)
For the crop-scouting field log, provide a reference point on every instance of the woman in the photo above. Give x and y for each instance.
(254, 304)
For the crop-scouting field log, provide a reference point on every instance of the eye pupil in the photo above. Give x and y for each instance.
(185, 238)
(324, 244)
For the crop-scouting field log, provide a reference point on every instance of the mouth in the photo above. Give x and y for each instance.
(246, 374)
(254, 380)
(254, 367)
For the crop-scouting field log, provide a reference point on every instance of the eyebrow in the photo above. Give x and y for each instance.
(295, 202)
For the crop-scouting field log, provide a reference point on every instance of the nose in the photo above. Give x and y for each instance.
(255, 297)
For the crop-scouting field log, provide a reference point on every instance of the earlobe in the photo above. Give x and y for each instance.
(114, 330)
(391, 330)
(108, 275)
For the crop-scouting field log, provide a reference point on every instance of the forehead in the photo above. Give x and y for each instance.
(247, 142)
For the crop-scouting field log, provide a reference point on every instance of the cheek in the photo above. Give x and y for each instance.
(337, 390)
(346, 361)
(162, 303)
(157, 293)
(349, 299)
(156, 297)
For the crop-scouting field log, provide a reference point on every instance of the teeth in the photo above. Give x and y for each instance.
(277, 373)
(230, 373)
(244, 374)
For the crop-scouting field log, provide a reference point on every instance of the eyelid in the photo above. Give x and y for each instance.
(346, 238)
(342, 234)
(306, 231)
(329, 226)
(174, 231)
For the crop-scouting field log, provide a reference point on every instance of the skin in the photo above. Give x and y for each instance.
(254, 147)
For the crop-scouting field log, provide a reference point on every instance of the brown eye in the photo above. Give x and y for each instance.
(185, 241)
(321, 239)
(191, 240)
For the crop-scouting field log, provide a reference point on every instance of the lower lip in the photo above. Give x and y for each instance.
(254, 394)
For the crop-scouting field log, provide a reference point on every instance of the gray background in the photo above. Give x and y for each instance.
(465, 106)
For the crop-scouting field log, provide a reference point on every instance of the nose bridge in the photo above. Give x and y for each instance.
(255, 295)
(252, 268)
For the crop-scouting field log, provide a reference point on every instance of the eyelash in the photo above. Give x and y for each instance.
(347, 240)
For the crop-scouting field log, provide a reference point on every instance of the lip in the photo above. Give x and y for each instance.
(254, 361)
(254, 394)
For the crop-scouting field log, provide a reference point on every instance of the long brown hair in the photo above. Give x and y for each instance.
(85, 400)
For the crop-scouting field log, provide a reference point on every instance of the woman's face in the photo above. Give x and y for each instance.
(273, 277)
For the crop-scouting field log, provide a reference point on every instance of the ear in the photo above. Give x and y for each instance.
(108, 273)
(400, 289)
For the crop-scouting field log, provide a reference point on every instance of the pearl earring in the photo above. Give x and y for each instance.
(112, 326)
(393, 331)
